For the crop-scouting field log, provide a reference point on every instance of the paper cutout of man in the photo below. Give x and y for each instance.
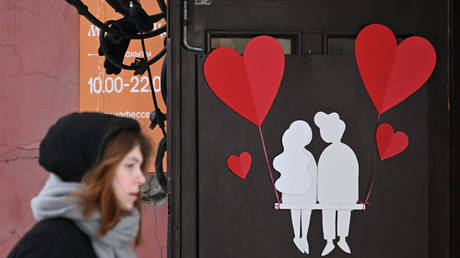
(297, 182)
(338, 172)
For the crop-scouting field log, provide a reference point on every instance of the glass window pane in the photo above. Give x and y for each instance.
(340, 46)
(345, 46)
(239, 43)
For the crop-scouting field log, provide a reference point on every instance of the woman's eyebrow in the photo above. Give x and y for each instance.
(134, 159)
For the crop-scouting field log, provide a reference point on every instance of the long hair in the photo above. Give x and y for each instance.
(97, 192)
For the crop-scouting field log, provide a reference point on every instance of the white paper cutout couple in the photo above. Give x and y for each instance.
(333, 181)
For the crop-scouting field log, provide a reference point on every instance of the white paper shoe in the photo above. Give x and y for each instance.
(328, 248)
(306, 248)
(299, 244)
(344, 245)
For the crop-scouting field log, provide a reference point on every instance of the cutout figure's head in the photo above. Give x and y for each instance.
(331, 128)
(298, 135)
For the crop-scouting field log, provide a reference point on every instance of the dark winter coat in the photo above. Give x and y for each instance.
(54, 238)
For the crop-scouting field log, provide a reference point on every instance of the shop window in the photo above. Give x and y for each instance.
(343, 45)
(289, 43)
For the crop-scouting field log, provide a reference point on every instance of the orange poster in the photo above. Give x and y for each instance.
(124, 94)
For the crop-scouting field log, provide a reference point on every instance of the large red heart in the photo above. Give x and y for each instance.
(247, 84)
(240, 165)
(391, 73)
(390, 143)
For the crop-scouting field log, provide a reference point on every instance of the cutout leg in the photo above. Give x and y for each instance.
(328, 230)
(295, 218)
(329, 224)
(343, 222)
(343, 227)
(306, 214)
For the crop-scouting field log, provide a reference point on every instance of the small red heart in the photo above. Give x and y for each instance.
(390, 143)
(240, 165)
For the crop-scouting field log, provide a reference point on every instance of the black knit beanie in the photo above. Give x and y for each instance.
(73, 145)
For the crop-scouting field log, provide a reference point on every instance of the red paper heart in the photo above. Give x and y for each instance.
(391, 73)
(247, 84)
(240, 165)
(390, 143)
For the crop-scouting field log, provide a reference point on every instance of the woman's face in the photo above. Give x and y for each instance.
(128, 179)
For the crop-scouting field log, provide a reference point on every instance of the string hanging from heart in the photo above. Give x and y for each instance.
(391, 72)
(374, 167)
(277, 206)
(248, 84)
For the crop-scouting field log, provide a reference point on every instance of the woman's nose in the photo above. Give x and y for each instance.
(141, 178)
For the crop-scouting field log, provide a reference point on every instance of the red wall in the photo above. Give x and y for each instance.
(39, 71)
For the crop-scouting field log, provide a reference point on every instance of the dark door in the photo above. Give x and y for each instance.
(215, 214)
(236, 217)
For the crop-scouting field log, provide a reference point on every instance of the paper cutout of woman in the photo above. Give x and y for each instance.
(338, 172)
(297, 182)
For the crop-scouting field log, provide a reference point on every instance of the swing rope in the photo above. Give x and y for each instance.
(277, 206)
(374, 167)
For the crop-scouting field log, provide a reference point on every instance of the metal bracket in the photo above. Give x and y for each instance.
(184, 30)
(203, 2)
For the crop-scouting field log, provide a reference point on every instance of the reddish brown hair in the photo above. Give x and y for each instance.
(97, 192)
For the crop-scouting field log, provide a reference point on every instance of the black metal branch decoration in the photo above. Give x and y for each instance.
(114, 39)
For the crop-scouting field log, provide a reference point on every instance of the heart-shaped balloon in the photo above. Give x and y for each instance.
(392, 72)
(247, 84)
(390, 143)
(240, 165)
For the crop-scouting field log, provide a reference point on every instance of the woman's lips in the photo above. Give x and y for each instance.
(134, 195)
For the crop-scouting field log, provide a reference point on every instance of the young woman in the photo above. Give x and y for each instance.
(89, 207)
(298, 179)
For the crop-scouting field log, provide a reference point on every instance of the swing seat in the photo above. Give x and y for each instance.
(320, 206)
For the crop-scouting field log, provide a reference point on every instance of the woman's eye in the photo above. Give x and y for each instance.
(130, 166)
